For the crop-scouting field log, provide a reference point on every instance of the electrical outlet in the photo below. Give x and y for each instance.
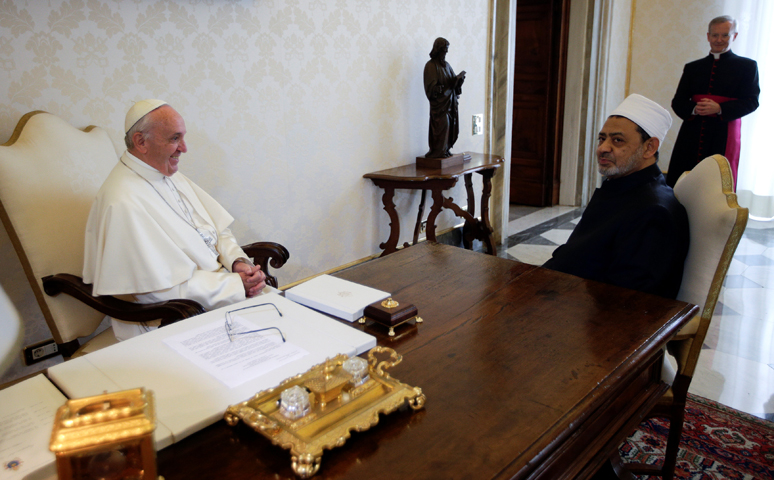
(478, 124)
(40, 351)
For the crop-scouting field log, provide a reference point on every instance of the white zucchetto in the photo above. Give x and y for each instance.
(139, 110)
(646, 113)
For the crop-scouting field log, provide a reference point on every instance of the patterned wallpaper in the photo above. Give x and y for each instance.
(287, 103)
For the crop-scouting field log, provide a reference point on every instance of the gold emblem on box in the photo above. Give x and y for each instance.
(336, 408)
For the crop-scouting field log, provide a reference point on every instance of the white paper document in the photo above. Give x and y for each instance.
(335, 296)
(187, 398)
(27, 412)
(248, 356)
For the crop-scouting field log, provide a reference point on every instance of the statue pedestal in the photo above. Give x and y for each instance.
(456, 159)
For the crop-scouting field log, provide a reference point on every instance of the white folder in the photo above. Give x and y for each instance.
(335, 296)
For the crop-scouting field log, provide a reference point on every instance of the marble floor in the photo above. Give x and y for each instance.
(736, 366)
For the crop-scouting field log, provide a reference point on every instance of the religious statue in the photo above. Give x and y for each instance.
(442, 88)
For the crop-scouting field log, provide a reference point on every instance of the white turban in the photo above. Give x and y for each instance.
(139, 110)
(646, 113)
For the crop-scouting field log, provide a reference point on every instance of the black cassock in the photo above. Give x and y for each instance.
(730, 76)
(633, 234)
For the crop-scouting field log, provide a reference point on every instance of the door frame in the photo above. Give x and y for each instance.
(584, 100)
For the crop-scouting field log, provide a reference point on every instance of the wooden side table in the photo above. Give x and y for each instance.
(437, 180)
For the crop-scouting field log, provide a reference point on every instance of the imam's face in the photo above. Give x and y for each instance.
(720, 37)
(619, 148)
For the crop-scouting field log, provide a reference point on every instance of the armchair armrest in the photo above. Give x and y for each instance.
(169, 312)
(265, 254)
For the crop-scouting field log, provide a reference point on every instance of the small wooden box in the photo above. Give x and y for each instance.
(390, 315)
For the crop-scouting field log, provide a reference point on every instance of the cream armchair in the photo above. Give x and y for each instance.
(717, 223)
(50, 173)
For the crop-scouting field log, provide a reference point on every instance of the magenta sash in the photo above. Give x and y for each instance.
(734, 136)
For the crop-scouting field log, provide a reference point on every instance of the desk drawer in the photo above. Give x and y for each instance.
(597, 436)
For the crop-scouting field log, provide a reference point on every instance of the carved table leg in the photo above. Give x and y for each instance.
(438, 202)
(469, 229)
(419, 217)
(391, 244)
(486, 227)
(474, 228)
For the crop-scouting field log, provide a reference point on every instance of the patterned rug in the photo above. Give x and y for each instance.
(718, 442)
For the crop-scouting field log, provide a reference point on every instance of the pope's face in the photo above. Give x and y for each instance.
(165, 142)
(720, 37)
(620, 149)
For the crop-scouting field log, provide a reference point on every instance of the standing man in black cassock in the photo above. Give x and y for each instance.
(714, 93)
(442, 88)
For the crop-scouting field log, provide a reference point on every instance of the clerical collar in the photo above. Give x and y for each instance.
(141, 168)
(717, 55)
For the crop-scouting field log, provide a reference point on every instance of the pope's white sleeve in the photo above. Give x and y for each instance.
(229, 249)
(211, 289)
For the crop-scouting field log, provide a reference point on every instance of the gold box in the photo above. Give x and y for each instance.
(106, 437)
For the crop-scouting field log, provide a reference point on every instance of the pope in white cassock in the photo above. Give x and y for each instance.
(155, 234)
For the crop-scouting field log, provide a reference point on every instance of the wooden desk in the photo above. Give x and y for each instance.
(529, 373)
(437, 180)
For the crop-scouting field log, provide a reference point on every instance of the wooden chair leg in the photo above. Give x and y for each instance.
(667, 469)
(673, 444)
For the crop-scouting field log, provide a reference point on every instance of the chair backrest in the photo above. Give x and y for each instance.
(50, 173)
(717, 223)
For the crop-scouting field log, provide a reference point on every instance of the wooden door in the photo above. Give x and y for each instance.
(538, 100)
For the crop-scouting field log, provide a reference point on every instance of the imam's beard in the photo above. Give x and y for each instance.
(623, 168)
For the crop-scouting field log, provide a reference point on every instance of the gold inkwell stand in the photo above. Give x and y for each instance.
(390, 313)
(106, 437)
(316, 410)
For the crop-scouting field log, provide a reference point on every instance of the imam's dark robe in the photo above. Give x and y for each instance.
(442, 91)
(633, 234)
(729, 76)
